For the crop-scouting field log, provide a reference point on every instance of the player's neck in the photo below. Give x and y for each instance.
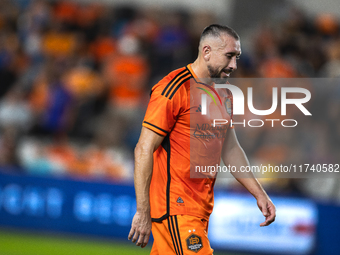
(199, 69)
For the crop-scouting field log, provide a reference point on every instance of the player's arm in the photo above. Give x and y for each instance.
(234, 155)
(148, 142)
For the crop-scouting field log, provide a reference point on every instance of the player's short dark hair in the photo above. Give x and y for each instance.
(216, 30)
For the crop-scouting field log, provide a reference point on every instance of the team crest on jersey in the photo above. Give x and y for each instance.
(194, 243)
(227, 104)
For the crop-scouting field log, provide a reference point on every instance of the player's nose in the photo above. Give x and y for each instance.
(233, 63)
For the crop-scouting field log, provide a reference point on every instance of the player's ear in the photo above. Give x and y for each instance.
(206, 52)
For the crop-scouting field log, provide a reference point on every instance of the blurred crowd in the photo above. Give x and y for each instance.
(75, 82)
(295, 46)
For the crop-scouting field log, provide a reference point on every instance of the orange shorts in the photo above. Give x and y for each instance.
(181, 235)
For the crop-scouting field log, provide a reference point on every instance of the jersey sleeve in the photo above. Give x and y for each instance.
(162, 111)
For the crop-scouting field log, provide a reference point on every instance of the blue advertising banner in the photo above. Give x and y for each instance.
(66, 205)
(234, 225)
(106, 209)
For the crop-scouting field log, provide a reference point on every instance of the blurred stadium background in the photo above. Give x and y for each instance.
(75, 78)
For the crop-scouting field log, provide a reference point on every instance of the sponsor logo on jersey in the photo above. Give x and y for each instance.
(180, 200)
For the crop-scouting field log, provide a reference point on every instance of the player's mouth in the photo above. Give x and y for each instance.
(226, 72)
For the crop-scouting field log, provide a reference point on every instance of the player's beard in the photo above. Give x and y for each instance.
(215, 75)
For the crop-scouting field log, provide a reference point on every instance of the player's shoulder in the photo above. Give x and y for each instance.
(172, 82)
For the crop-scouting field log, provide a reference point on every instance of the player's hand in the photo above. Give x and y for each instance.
(140, 229)
(268, 210)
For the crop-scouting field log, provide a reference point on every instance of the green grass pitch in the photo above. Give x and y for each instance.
(33, 243)
(27, 243)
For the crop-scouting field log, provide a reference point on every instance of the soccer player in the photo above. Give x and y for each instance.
(171, 203)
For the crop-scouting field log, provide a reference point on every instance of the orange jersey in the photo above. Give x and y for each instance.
(189, 140)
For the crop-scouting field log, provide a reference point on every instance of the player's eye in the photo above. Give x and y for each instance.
(230, 56)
